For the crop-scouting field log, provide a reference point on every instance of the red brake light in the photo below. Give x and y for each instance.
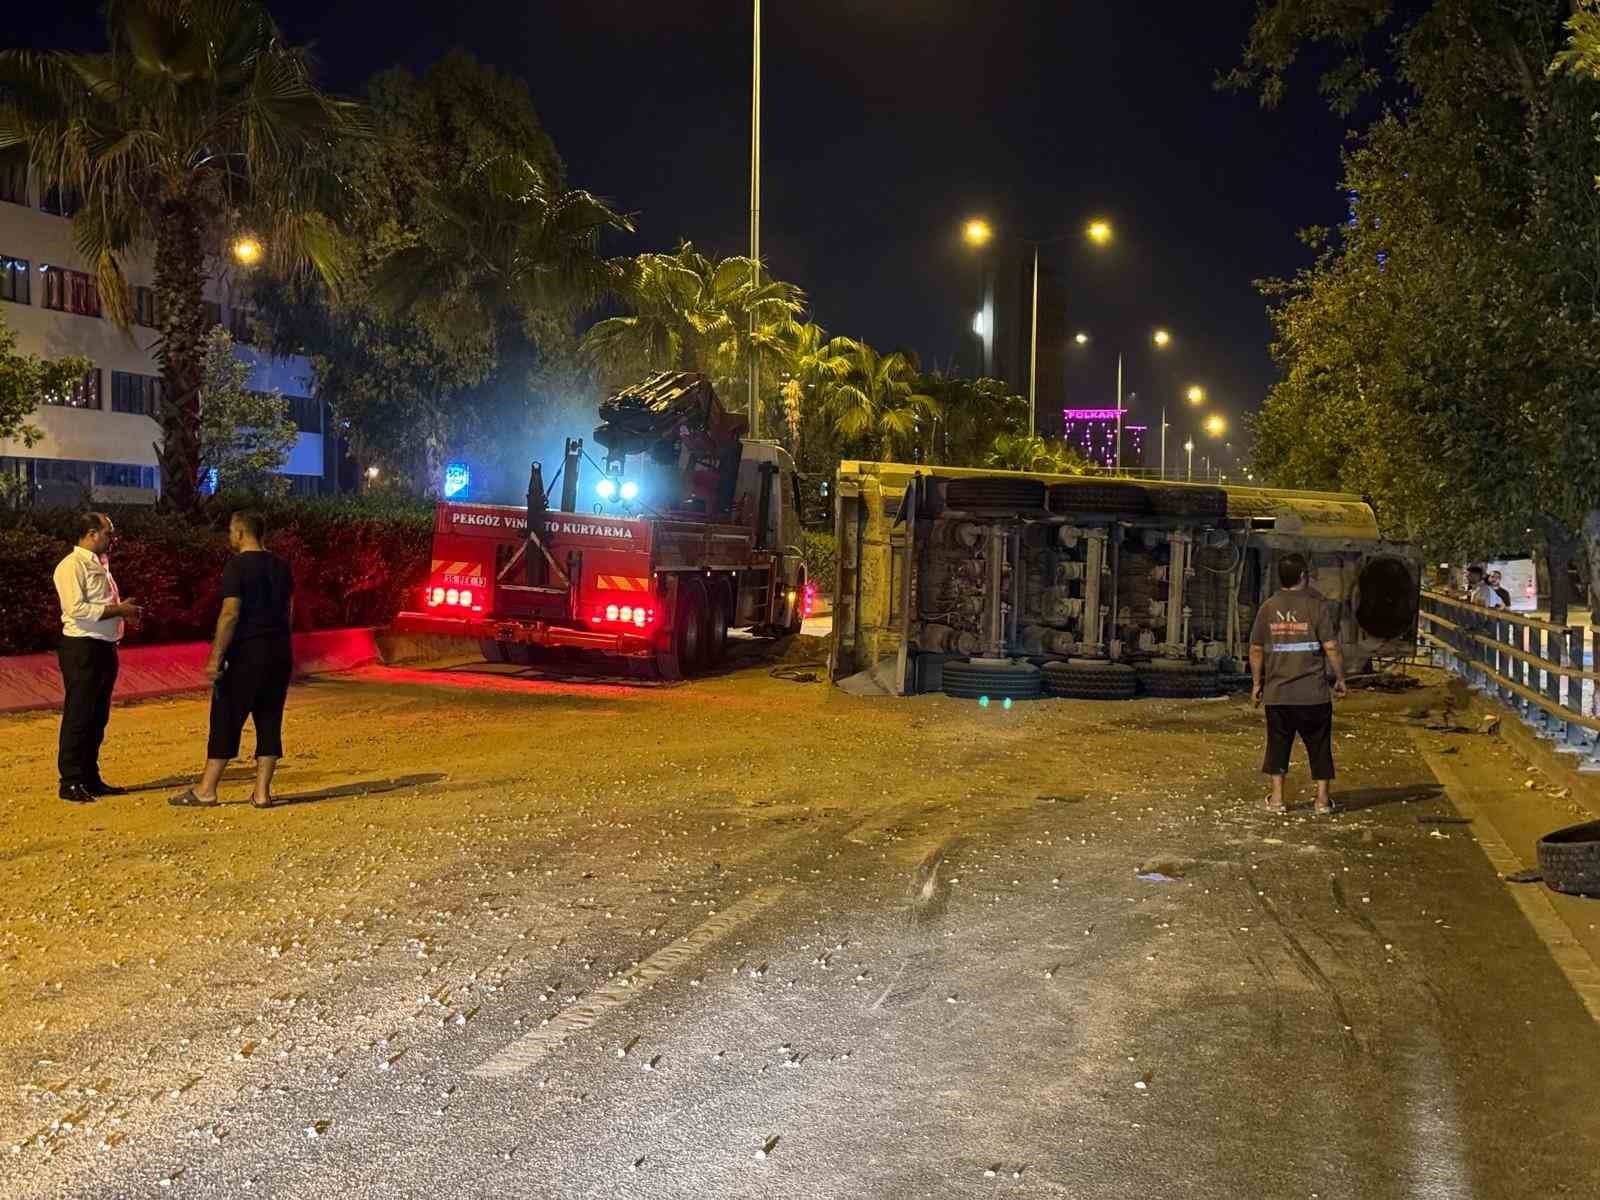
(809, 601)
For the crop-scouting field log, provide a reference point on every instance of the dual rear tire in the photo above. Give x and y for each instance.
(698, 639)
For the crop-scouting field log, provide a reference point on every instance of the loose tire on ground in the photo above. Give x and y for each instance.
(997, 680)
(1089, 680)
(1569, 859)
(1201, 503)
(994, 493)
(1171, 680)
(1120, 498)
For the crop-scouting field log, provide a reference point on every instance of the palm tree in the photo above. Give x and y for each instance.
(1022, 452)
(197, 124)
(877, 397)
(814, 365)
(687, 311)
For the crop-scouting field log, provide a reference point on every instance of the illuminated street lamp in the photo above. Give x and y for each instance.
(1161, 338)
(1082, 339)
(1216, 425)
(1188, 448)
(1196, 394)
(978, 233)
(246, 251)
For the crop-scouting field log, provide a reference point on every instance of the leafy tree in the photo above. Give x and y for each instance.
(196, 124)
(25, 379)
(972, 414)
(1441, 354)
(246, 436)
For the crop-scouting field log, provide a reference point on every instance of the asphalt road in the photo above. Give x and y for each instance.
(748, 937)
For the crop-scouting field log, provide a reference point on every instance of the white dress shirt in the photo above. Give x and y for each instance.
(84, 583)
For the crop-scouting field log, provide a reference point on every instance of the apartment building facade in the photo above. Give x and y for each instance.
(102, 439)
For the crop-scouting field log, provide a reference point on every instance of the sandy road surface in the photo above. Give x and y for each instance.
(545, 938)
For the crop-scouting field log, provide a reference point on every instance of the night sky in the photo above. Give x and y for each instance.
(885, 123)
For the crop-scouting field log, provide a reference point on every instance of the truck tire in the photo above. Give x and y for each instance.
(519, 653)
(1123, 499)
(1172, 680)
(492, 650)
(994, 493)
(1201, 503)
(719, 603)
(1089, 680)
(997, 680)
(1569, 859)
(799, 617)
(685, 649)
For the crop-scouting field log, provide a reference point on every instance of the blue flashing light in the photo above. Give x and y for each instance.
(630, 490)
(606, 489)
(457, 481)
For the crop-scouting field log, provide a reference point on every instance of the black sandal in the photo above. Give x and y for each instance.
(190, 800)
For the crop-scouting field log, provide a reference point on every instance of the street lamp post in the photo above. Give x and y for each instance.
(1161, 339)
(755, 214)
(1188, 448)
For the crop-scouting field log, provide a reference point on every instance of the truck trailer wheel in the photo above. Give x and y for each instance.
(719, 603)
(1200, 503)
(993, 493)
(1172, 680)
(1123, 499)
(974, 679)
(1569, 859)
(1089, 680)
(685, 647)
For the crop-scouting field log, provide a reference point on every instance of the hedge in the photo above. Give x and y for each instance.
(821, 554)
(353, 558)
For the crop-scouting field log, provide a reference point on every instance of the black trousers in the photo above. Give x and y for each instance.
(1314, 725)
(254, 685)
(88, 675)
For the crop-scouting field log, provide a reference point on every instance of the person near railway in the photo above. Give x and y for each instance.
(1479, 589)
(250, 664)
(93, 617)
(1297, 665)
(1493, 579)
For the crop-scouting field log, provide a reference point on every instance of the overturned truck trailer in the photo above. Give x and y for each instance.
(1004, 584)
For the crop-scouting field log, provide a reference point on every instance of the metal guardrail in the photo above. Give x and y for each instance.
(1535, 668)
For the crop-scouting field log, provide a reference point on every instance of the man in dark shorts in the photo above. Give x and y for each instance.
(250, 662)
(1293, 647)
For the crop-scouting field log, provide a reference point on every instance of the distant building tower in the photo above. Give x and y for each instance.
(1093, 433)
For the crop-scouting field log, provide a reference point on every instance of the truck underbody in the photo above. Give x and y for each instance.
(977, 581)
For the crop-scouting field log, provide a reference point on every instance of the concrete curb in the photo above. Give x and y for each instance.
(33, 681)
(1559, 768)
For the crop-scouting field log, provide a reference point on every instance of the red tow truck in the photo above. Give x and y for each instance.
(696, 530)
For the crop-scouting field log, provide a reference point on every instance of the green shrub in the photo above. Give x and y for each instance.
(821, 553)
(354, 560)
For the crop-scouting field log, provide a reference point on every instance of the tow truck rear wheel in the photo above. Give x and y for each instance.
(492, 650)
(719, 603)
(685, 649)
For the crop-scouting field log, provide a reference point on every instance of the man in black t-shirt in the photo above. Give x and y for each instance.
(1293, 648)
(250, 663)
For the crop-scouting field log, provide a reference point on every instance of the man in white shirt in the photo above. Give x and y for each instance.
(1479, 590)
(92, 616)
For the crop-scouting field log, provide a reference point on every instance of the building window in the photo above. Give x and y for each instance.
(14, 279)
(63, 202)
(70, 291)
(85, 395)
(124, 475)
(139, 394)
(307, 413)
(14, 183)
(145, 310)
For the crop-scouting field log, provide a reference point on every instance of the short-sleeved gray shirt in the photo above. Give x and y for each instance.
(1291, 628)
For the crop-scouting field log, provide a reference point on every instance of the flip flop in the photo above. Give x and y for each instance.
(273, 803)
(190, 800)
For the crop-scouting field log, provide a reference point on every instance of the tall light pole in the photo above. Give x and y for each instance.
(755, 214)
(1195, 395)
(1161, 340)
(1188, 448)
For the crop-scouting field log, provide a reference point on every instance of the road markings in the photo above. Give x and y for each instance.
(1569, 953)
(629, 986)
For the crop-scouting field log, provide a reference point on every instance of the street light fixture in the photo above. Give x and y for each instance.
(1099, 232)
(1161, 338)
(1082, 339)
(1196, 394)
(977, 232)
(247, 251)
(1216, 425)
(1188, 448)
